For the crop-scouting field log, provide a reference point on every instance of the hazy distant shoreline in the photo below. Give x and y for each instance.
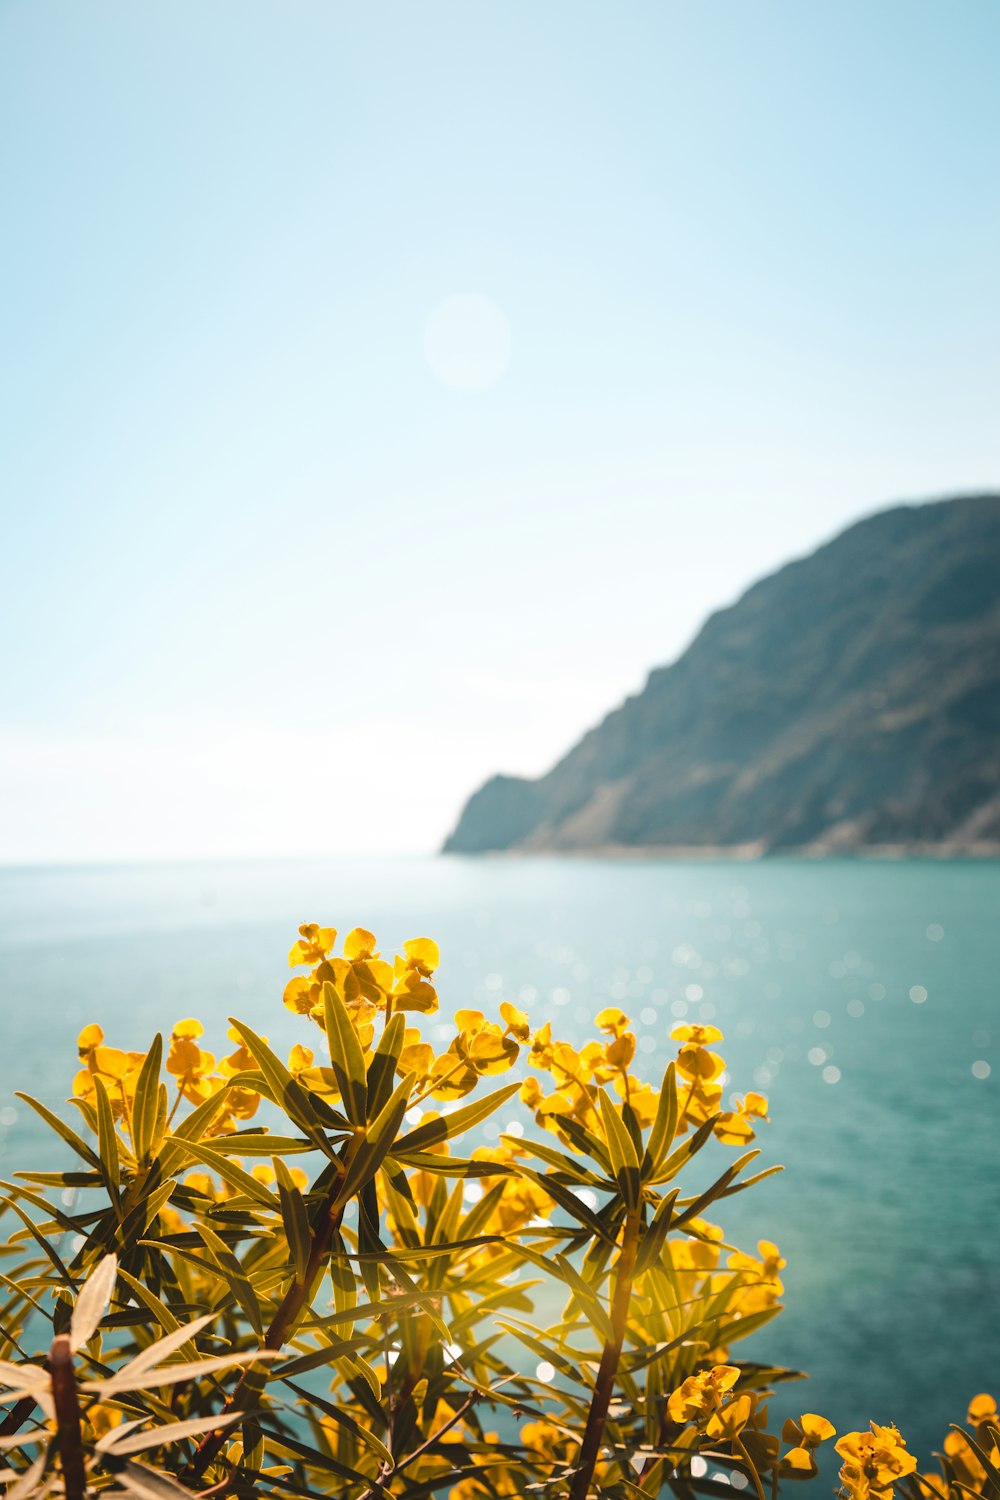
(744, 853)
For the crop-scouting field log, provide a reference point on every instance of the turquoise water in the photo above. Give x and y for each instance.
(889, 1210)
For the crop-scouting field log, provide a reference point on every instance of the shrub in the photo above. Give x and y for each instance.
(305, 1279)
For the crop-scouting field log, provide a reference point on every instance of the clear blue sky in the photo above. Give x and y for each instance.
(269, 583)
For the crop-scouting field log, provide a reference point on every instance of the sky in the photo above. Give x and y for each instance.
(386, 388)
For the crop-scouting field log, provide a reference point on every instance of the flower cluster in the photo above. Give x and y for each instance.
(196, 1075)
(398, 1259)
(873, 1462)
(714, 1413)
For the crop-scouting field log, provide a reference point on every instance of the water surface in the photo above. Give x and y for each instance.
(861, 997)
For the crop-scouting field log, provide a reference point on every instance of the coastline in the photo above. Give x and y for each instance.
(747, 853)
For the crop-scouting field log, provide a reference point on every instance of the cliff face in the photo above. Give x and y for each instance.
(851, 699)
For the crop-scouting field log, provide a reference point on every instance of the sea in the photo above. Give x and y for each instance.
(863, 997)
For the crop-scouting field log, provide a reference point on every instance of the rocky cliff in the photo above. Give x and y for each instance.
(851, 700)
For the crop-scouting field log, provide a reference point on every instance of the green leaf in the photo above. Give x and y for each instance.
(92, 1302)
(695, 1209)
(992, 1472)
(288, 1094)
(449, 1166)
(234, 1175)
(740, 1327)
(460, 1120)
(621, 1147)
(161, 1312)
(234, 1276)
(260, 1143)
(343, 1419)
(295, 1219)
(579, 1175)
(373, 1150)
(314, 1359)
(664, 1125)
(143, 1215)
(190, 1129)
(382, 1068)
(63, 1130)
(146, 1103)
(346, 1056)
(569, 1201)
(173, 1432)
(687, 1148)
(544, 1351)
(589, 1300)
(108, 1141)
(586, 1143)
(282, 1442)
(655, 1236)
(43, 1243)
(150, 1379)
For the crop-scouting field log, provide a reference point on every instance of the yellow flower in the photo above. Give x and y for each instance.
(964, 1460)
(531, 1093)
(808, 1432)
(517, 1021)
(733, 1128)
(118, 1071)
(542, 1438)
(313, 945)
(982, 1408)
(698, 1036)
(540, 1055)
(765, 1288)
(416, 1056)
(804, 1436)
(240, 1061)
(299, 1059)
(642, 1098)
(188, 1063)
(726, 1424)
(412, 989)
(697, 1062)
(701, 1394)
(873, 1461)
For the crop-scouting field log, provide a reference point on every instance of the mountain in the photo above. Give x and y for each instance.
(849, 701)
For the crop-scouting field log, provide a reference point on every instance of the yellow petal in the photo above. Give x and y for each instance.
(359, 943)
(90, 1037)
(611, 1020)
(799, 1461)
(815, 1429)
(423, 954)
(188, 1030)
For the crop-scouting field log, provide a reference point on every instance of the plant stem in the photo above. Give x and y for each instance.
(291, 1306)
(386, 1473)
(67, 1407)
(604, 1385)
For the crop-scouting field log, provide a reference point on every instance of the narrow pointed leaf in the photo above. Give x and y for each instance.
(146, 1103)
(107, 1138)
(459, 1121)
(288, 1094)
(92, 1302)
(346, 1057)
(62, 1130)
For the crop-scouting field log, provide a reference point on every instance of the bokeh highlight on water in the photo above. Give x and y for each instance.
(861, 997)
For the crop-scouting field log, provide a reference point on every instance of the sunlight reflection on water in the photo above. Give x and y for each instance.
(861, 997)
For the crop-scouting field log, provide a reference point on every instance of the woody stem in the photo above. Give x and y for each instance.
(67, 1405)
(604, 1385)
(291, 1306)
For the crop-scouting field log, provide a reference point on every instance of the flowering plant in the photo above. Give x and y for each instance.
(305, 1277)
